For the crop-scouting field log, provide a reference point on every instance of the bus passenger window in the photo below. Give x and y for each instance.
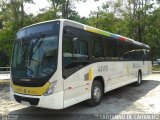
(75, 55)
(111, 49)
(81, 50)
(97, 48)
(67, 50)
(139, 55)
(130, 52)
(123, 50)
(148, 55)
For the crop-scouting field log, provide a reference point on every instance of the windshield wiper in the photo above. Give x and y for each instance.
(33, 45)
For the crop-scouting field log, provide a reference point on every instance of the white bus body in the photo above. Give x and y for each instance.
(76, 67)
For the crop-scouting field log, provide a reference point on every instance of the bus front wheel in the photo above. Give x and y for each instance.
(96, 94)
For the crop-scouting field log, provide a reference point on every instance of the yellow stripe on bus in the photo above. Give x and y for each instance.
(36, 91)
(90, 73)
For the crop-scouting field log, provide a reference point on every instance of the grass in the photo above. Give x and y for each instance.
(156, 68)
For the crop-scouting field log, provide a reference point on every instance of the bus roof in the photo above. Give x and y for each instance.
(94, 30)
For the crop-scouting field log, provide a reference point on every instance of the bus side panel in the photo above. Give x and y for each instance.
(70, 90)
(115, 74)
(120, 73)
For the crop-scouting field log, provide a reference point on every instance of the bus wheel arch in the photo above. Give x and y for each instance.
(97, 91)
(101, 80)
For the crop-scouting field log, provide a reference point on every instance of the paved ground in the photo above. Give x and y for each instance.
(144, 99)
(4, 76)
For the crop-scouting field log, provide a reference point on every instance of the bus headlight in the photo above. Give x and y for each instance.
(51, 88)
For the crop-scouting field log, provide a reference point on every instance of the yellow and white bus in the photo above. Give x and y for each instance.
(59, 63)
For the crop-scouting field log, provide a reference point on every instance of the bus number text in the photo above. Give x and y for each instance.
(102, 68)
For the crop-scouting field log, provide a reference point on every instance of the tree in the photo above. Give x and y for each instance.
(12, 17)
(152, 33)
(105, 18)
(65, 7)
(136, 16)
(136, 19)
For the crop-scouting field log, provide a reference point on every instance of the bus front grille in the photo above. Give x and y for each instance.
(32, 101)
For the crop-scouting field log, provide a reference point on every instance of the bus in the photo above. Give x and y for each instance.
(59, 63)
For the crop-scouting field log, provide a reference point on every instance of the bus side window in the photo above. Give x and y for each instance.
(111, 48)
(97, 49)
(69, 63)
(139, 55)
(81, 50)
(67, 50)
(148, 55)
(130, 54)
(75, 53)
(123, 50)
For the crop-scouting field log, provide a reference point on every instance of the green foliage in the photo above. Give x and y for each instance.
(136, 19)
(156, 68)
(12, 18)
(64, 7)
(1, 26)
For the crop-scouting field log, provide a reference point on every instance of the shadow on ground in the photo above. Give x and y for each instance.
(113, 103)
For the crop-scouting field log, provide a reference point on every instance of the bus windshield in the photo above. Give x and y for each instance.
(35, 56)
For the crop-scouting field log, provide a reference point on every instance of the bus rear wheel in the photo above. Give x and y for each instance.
(96, 94)
(139, 80)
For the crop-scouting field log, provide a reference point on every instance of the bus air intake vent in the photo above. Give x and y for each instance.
(32, 101)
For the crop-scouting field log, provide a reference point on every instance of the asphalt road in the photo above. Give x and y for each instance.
(129, 99)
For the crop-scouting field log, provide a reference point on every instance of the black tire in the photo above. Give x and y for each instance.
(96, 94)
(139, 79)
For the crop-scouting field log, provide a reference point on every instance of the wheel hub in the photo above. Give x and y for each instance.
(97, 93)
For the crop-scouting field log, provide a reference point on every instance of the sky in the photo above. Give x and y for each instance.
(83, 8)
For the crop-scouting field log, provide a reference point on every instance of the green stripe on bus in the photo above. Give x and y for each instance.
(90, 29)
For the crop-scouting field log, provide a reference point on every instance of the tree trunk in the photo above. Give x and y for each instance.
(63, 8)
(67, 9)
(22, 14)
(15, 14)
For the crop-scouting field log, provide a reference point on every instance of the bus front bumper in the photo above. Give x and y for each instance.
(54, 101)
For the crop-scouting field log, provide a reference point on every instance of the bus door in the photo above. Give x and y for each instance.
(69, 68)
(81, 54)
